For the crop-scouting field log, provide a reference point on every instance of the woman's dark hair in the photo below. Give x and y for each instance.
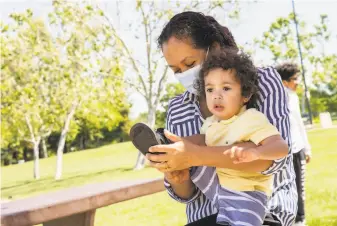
(287, 70)
(240, 64)
(202, 30)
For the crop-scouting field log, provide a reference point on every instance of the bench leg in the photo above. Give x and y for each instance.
(81, 219)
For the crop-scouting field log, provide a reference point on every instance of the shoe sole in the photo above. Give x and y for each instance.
(143, 137)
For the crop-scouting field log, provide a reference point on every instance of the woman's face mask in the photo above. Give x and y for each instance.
(188, 77)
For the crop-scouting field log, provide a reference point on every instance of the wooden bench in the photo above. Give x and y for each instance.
(75, 206)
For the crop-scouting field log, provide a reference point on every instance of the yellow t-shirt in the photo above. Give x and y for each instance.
(248, 125)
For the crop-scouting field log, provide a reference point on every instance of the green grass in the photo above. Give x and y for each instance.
(115, 162)
(321, 182)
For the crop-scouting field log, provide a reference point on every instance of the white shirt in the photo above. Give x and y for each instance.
(298, 134)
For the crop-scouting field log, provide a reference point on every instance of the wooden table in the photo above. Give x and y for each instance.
(75, 206)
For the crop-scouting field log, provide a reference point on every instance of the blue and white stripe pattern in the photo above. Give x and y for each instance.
(184, 119)
(241, 208)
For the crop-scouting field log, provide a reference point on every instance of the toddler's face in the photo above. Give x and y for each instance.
(223, 93)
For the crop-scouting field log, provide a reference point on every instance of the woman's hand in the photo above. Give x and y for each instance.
(176, 156)
(177, 177)
(307, 157)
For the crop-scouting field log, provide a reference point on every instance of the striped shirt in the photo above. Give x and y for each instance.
(184, 119)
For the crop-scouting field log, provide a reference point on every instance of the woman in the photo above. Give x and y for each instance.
(185, 41)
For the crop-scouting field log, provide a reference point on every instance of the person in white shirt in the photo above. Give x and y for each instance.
(301, 148)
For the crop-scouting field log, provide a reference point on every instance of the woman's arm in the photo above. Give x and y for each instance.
(181, 183)
(221, 157)
(184, 154)
(185, 192)
(198, 139)
(276, 144)
(270, 148)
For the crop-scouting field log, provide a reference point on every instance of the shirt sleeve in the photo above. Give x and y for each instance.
(170, 127)
(171, 193)
(274, 105)
(294, 108)
(258, 127)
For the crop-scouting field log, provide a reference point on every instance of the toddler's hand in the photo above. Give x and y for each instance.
(240, 155)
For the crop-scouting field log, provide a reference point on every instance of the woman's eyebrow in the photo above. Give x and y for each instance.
(181, 61)
(186, 58)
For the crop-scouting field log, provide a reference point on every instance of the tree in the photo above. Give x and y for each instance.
(280, 41)
(150, 77)
(91, 72)
(51, 78)
(27, 57)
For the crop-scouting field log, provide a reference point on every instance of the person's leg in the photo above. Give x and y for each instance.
(299, 167)
(270, 220)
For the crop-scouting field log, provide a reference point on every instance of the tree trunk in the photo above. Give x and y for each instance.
(25, 157)
(62, 141)
(36, 143)
(44, 148)
(36, 158)
(151, 119)
(81, 140)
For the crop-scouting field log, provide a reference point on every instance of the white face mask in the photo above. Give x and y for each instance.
(188, 77)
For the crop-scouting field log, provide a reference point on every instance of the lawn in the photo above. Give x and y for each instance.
(115, 162)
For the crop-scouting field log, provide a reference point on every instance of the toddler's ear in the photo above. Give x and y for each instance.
(246, 99)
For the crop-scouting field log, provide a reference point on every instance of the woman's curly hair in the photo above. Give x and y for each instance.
(242, 66)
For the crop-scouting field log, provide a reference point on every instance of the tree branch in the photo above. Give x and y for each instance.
(132, 60)
(137, 88)
(30, 127)
(160, 84)
(148, 48)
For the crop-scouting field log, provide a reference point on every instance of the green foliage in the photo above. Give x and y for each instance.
(280, 40)
(321, 101)
(44, 74)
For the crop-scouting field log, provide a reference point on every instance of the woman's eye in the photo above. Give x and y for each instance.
(190, 65)
(209, 90)
(226, 88)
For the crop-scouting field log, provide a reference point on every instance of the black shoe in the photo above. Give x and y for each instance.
(143, 137)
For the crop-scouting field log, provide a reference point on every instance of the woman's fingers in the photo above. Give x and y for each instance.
(162, 148)
(157, 157)
(172, 137)
(161, 166)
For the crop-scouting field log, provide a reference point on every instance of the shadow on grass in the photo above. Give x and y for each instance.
(25, 182)
(33, 187)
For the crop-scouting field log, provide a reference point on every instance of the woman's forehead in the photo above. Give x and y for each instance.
(175, 51)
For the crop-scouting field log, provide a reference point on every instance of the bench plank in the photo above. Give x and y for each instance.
(60, 204)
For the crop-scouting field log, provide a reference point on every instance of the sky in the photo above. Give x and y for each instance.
(255, 18)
